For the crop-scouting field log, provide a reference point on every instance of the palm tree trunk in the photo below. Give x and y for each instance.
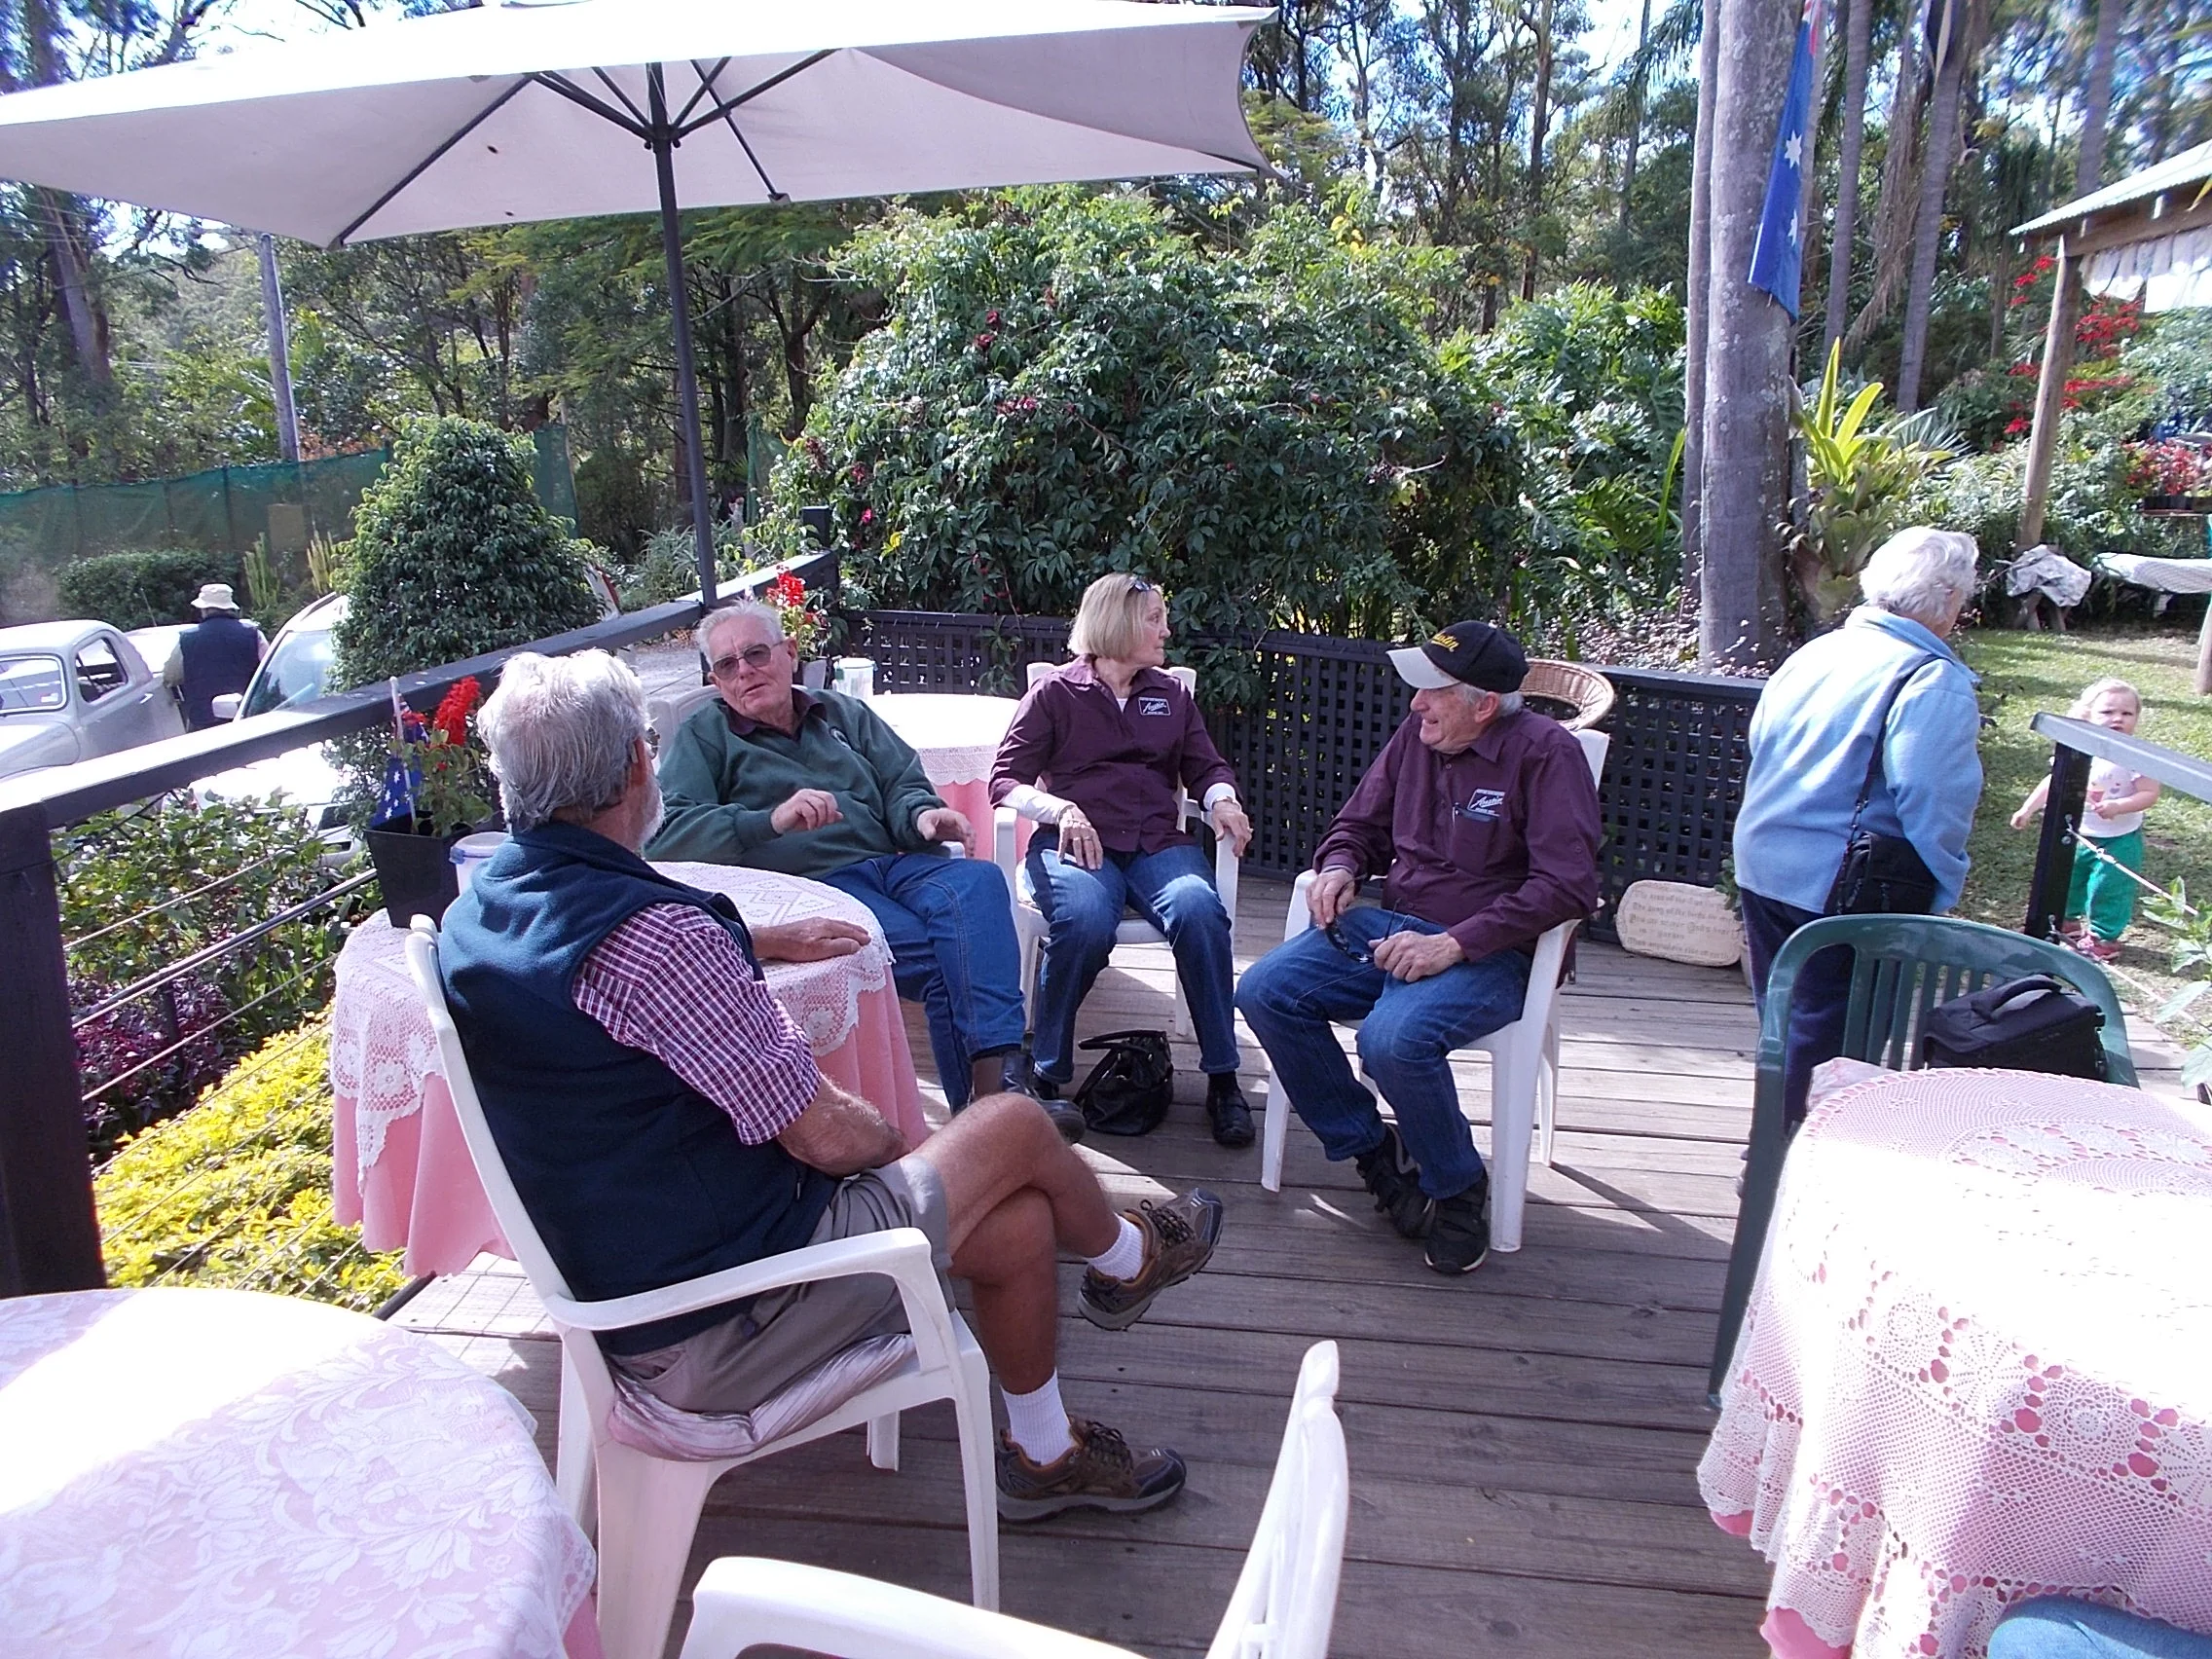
(1858, 23)
(1898, 197)
(2096, 110)
(1539, 119)
(1747, 349)
(1957, 44)
(1636, 90)
(1695, 298)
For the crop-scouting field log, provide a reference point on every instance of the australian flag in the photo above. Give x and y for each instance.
(1777, 257)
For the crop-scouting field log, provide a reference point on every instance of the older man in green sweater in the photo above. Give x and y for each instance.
(816, 783)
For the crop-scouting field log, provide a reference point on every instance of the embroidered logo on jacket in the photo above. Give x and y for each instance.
(1152, 705)
(1483, 805)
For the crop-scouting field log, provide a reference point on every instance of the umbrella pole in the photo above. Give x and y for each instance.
(663, 140)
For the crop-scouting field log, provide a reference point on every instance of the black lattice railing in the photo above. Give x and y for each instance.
(1673, 780)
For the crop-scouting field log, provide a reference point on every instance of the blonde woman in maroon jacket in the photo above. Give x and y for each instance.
(1097, 756)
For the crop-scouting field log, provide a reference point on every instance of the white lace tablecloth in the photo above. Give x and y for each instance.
(379, 1038)
(956, 736)
(213, 1474)
(1977, 1365)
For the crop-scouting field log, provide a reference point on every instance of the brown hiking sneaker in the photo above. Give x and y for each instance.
(1179, 1237)
(1099, 1471)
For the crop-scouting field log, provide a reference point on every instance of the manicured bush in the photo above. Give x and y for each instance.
(453, 555)
(142, 590)
(1070, 383)
(237, 1192)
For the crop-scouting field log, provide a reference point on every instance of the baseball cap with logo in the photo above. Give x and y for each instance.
(1466, 654)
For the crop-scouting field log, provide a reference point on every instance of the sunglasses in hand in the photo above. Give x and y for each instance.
(1360, 950)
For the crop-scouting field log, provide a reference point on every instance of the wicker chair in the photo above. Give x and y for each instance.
(1576, 696)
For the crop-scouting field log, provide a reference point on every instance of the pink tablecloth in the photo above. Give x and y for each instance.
(213, 1472)
(1977, 1365)
(957, 737)
(401, 1169)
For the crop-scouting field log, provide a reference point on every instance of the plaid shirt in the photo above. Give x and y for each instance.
(671, 981)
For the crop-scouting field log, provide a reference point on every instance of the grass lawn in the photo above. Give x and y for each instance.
(2025, 674)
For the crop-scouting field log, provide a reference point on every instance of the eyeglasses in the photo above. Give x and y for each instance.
(1137, 585)
(1352, 948)
(755, 657)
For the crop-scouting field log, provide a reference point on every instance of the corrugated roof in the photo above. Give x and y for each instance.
(2190, 166)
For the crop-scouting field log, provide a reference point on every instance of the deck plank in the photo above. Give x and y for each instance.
(1522, 1442)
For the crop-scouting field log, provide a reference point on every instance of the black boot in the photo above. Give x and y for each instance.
(1230, 1118)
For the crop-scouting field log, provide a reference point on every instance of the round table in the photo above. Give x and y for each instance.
(957, 737)
(200, 1472)
(1977, 1365)
(402, 1170)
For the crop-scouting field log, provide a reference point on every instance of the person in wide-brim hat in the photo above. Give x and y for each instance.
(217, 655)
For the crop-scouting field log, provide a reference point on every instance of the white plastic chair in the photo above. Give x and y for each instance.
(1029, 924)
(648, 1506)
(1283, 1606)
(1523, 1058)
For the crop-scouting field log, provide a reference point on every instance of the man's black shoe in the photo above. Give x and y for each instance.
(1460, 1239)
(1018, 1077)
(1226, 1110)
(1395, 1178)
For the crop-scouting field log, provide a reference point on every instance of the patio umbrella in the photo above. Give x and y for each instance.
(553, 109)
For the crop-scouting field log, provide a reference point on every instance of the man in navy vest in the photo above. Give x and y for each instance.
(662, 1117)
(218, 655)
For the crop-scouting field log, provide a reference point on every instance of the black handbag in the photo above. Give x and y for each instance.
(1129, 1089)
(1881, 874)
(2035, 1024)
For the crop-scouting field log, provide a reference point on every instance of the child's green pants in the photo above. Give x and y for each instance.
(2107, 896)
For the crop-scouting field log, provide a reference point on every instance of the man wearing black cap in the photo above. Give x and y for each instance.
(1483, 819)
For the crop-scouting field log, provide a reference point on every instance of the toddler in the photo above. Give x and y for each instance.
(2112, 823)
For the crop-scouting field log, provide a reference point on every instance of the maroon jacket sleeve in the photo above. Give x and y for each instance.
(1027, 748)
(1360, 839)
(1562, 839)
(1200, 762)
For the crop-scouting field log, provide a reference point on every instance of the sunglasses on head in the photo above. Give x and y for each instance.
(1137, 585)
(755, 657)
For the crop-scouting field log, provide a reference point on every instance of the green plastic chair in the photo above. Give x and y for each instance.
(1902, 967)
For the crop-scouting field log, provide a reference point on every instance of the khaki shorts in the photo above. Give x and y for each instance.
(735, 1365)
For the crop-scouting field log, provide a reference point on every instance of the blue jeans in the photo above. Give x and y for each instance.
(1817, 1001)
(1171, 889)
(1406, 1037)
(2051, 1627)
(950, 923)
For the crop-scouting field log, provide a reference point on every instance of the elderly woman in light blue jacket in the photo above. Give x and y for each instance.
(1885, 681)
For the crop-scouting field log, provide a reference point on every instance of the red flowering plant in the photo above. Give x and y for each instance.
(2166, 466)
(436, 772)
(804, 624)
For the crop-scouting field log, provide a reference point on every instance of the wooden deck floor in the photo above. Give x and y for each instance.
(1522, 1442)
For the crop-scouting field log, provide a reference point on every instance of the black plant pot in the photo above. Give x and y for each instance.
(416, 871)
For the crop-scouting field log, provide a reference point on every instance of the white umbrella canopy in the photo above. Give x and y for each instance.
(559, 109)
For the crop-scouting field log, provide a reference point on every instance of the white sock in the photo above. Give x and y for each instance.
(1123, 1258)
(1038, 1423)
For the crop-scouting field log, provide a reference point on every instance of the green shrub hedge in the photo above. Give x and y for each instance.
(237, 1192)
(142, 590)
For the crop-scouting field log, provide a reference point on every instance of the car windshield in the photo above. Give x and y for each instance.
(32, 685)
(295, 673)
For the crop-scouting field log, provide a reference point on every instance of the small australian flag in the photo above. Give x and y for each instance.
(1778, 258)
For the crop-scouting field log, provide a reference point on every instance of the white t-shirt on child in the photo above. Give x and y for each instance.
(2114, 782)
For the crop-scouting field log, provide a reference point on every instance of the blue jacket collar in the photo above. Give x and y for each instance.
(1915, 634)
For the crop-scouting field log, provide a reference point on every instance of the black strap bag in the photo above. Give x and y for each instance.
(1131, 1088)
(2035, 1024)
(1881, 874)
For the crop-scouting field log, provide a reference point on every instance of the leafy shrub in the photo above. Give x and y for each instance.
(2092, 508)
(237, 1192)
(2174, 353)
(142, 889)
(1068, 384)
(1591, 382)
(614, 504)
(453, 556)
(669, 568)
(142, 590)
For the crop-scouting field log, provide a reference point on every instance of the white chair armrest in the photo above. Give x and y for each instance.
(1300, 917)
(1004, 823)
(901, 1254)
(744, 1601)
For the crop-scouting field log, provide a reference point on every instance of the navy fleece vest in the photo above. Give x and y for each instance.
(634, 1178)
(220, 655)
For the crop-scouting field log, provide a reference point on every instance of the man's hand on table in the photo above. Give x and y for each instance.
(1412, 956)
(1330, 896)
(943, 823)
(816, 938)
(806, 809)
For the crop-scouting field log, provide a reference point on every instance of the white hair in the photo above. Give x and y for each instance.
(1920, 573)
(1508, 702)
(561, 732)
(742, 611)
